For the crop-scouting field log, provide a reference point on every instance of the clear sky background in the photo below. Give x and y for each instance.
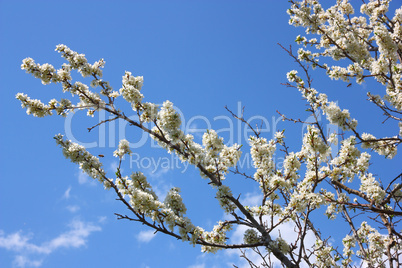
(201, 55)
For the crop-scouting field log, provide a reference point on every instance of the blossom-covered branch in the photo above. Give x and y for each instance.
(313, 180)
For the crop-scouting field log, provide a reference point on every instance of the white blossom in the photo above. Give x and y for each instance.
(216, 236)
(131, 89)
(251, 236)
(78, 154)
(371, 187)
(174, 201)
(124, 148)
(313, 179)
(33, 106)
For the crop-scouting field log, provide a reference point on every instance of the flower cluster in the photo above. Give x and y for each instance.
(169, 122)
(79, 62)
(149, 112)
(216, 236)
(313, 143)
(332, 111)
(344, 36)
(349, 161)
(174, 201)
(376, 244)
(214, 156)
(142, 198)
(386, 147)
(78, 154)
(280, 243)
(217, 157)
(170, 212)
(124, 148)
(61, 107)
(373, 46)
(46, 72)
(349, 242)
(131, 89)
(338, 117)
(223, 195)
(34, 106)
(262, 153)
(371, 187)
(324, 255)
(304, 196)
(251, 236)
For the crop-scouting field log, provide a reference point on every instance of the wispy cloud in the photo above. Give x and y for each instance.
(66, 194)
(29, 254)
(73, 209)
(161, 189)
(22, 261)
(102, 219)
(157, 173)
(113, 166)
(83, 178)
(146, 236)
(160, 172)
(252, 199)
(197, 266)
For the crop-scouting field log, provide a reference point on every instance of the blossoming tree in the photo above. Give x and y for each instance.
(369, 46)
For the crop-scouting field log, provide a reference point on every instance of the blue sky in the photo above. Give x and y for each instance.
(201, 55)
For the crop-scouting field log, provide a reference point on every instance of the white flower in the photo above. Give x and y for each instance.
(371, 187)
(222, 195)
(216, 236)
(292, 76)
(150, 112)
(33, 106)
(174, 201)
(251, 237)
(78, 154)
(124, 148)
(279, 136)
(114, 94)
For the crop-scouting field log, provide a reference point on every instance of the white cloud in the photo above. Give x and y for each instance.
(252, 199)
(172, 246)
(66, 194)
(197, 266)
(82, 177)
(102, 219)
(159, 173)
(15, 242)
(161, 189)
(113, 166)
(76, 237)
(22, 261)
(31, 255)
(146, 236)
(73, 209)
